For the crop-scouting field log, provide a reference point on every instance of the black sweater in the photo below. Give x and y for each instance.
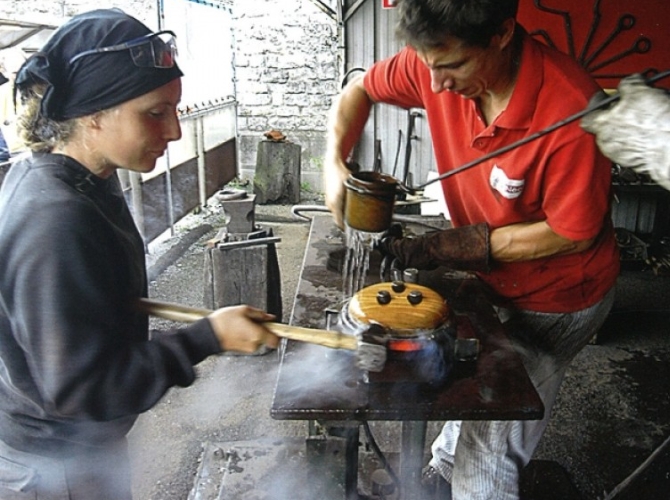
(76, 362)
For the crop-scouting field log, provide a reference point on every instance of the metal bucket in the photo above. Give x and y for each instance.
(369, 201)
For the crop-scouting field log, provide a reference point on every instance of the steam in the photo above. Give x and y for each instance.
(85, 471)
(325, 375)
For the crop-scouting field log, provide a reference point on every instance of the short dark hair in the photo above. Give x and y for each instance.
(426, 24)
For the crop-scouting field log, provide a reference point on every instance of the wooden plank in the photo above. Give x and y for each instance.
(243, 275)
(277, 177)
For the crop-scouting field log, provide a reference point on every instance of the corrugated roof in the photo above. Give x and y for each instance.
(28, 35)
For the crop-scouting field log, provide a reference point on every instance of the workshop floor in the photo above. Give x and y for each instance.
(611, 414)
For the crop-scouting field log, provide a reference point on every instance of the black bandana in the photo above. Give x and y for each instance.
(95, 82)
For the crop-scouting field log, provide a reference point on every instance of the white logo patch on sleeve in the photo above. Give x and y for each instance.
(509, 188)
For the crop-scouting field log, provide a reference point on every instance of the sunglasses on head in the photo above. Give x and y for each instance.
(155, 50)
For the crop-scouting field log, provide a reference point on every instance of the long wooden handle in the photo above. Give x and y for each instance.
(187, 314)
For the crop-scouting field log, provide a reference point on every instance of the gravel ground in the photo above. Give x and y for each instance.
(612, 410)
(231, 398)
(610, 415)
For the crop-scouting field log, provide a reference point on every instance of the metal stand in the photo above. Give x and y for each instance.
(413, 440)
(244, 270)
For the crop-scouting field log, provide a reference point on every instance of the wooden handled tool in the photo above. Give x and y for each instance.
(371, 356)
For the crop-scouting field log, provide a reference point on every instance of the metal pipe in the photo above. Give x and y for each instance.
(626, 482)
(168, 189)
(161, 14)
(297, 209)
(200, 146)
(136, 196)
(326, 9)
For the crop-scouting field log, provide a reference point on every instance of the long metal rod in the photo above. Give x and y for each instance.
(135, 180)
(168, 191)
(248, 243)
(626, 482)
(202, 171)
(352, 9)
(297, 210)
(326, 9)
(592, 107)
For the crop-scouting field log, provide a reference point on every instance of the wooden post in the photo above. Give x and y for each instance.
(277, 176)
(243, 273)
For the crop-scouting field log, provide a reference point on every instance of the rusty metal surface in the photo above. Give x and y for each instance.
(321, 383)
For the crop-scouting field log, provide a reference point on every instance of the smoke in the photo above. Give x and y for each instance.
(101, 471)
(273, 470)
(319, 375)
(274, 466)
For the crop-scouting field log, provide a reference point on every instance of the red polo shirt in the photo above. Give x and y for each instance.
(561, 178)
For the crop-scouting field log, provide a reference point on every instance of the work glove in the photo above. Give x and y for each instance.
(464, 248)
(635, 131)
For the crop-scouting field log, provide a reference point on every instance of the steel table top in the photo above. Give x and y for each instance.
(318, 383)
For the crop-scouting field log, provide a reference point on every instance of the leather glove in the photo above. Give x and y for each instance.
(464, 248)
(635, 131)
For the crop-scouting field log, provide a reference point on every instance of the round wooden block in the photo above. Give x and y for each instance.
(399, 306)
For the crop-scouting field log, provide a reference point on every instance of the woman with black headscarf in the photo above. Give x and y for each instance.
(76, 362)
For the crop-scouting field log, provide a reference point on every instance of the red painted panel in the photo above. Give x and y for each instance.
(607, 55)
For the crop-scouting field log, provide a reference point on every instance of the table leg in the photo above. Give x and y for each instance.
(352, 438)
(411, 458)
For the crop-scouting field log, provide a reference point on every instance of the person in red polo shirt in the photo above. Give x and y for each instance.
(533, 222)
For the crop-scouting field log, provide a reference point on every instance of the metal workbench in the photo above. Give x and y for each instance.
(325, 385)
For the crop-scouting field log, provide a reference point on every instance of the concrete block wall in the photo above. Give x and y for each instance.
(287, 73)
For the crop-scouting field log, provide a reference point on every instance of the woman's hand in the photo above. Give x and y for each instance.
(241, 329)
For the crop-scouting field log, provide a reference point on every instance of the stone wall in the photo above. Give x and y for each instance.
(54, 11)
(287, 74)
(287, 68)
